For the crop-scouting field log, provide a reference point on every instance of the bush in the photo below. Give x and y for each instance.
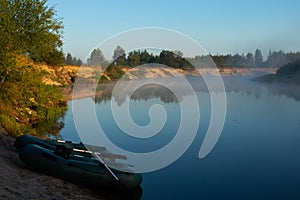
(27, 104)
(289, 69)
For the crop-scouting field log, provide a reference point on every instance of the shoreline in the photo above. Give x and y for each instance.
(19, 182)
(88, 75)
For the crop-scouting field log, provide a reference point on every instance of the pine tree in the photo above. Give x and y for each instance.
(119, 56)
(258, 58)
(69, 59)
(97, 58)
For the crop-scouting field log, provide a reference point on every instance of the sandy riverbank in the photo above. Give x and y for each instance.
(18, 182)
(87, 77)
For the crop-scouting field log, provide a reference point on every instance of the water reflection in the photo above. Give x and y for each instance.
(261, 133)
(145, 93)
(52, 127)
(232, 84)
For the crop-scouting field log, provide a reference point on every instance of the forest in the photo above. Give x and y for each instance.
(176, 59)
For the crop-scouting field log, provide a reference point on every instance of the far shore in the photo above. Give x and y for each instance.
(63, 75)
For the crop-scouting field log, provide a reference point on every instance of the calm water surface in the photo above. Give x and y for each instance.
(256, 157)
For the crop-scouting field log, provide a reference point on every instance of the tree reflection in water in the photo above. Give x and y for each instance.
(232, 84)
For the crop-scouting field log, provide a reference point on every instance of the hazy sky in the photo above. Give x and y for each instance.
(219, 26)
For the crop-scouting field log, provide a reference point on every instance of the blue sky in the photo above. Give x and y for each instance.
(221, 27)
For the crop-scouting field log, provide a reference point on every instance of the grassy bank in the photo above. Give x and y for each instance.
(27, 104)
(33, 97)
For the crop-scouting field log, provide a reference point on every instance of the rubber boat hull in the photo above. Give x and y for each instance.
(24, 140)
(86, 173)
(77, 167)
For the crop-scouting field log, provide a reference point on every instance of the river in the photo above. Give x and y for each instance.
(256, 156)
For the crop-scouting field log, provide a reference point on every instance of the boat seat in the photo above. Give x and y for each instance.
(62, 151)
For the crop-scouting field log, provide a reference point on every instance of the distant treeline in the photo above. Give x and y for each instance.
(133, 59)
(177, 60)
(70, 60)
(275, 59)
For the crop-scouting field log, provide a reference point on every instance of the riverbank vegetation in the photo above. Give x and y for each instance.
(27, 105)
(288, 74)
(30, 33)
(122, 61)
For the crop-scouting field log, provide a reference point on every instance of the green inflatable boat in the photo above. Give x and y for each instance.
(23, 140)
(74, 148)
(74, 163)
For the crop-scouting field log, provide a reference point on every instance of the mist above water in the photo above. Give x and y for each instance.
(244, 84)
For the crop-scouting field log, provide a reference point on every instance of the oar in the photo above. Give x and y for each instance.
(97, 154)
(103, 154)
(94, 148)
